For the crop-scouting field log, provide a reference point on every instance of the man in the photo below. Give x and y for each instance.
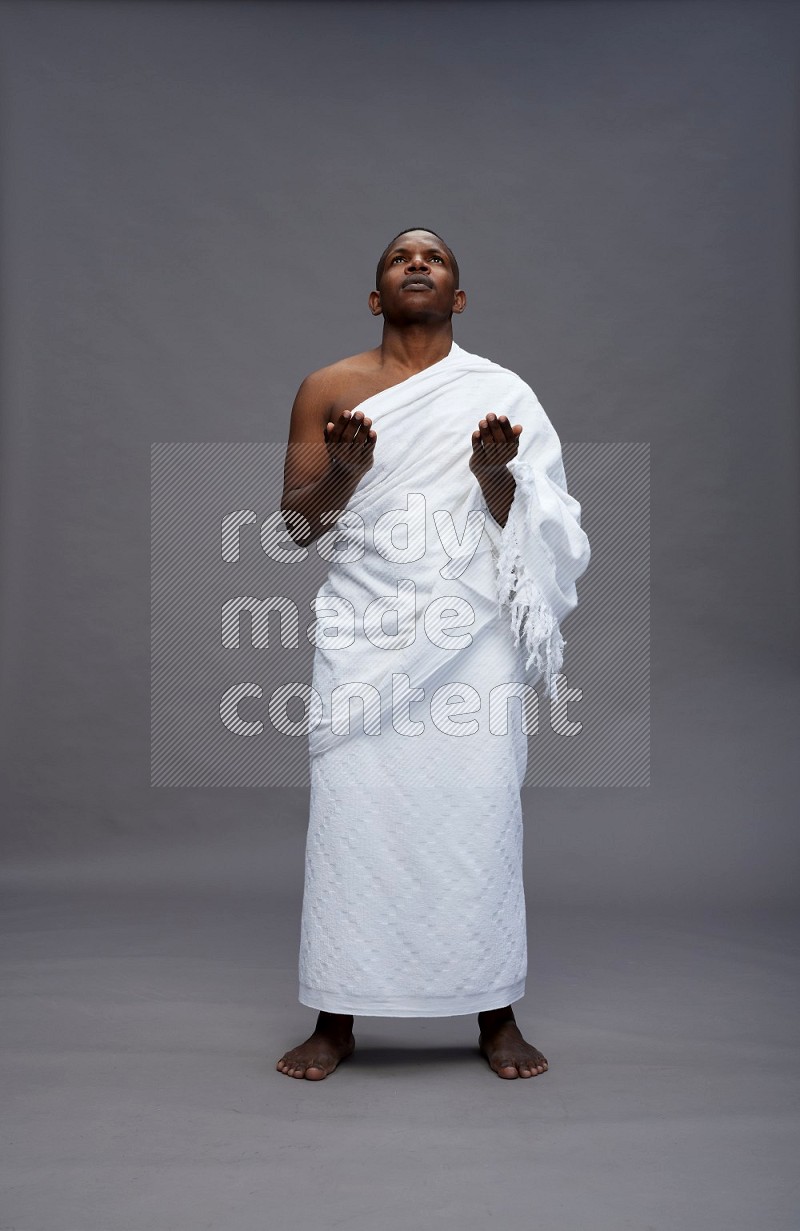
(413, 901)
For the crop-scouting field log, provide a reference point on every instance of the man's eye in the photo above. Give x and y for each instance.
(397, 258)
(436, 258)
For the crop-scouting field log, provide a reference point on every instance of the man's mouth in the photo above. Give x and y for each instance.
(417, 281)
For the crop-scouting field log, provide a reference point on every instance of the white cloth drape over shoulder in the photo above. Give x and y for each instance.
(430, 619)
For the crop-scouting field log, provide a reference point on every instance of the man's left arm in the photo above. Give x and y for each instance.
(540, 535)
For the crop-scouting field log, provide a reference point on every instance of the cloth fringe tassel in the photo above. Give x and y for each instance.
(533, 620)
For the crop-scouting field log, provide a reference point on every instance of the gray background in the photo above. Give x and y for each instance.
(194, 197)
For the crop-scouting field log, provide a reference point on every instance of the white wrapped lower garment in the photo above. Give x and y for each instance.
(413, 900)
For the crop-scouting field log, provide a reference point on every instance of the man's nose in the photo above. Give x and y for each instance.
(417, 262)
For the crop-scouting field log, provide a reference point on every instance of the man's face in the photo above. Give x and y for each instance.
(418, 282)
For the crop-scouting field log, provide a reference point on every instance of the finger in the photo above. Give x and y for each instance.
(491, 442)
(495, 428)
(361, 438)
(340, 425)
(362, 428)
(364, 434)
(487, 443)
(356, 419)
(489, 446)
(508, 431)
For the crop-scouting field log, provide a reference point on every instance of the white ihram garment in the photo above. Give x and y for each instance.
(413, 900)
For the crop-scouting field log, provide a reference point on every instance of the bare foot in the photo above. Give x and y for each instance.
(331, 1042)
(508, 1054)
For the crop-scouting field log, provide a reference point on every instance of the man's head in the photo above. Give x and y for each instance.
(417, 280)
(407, 234)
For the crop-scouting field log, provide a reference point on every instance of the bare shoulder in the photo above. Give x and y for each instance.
(338, 379)
(328, 391)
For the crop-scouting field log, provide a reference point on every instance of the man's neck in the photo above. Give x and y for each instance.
(415, 347)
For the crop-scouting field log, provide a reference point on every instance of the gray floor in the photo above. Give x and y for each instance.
(143, 1022)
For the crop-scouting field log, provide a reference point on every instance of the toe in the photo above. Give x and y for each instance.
(319, 1067)
(316, 1070)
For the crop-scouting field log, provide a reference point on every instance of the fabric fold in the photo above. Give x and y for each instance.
(542, 550)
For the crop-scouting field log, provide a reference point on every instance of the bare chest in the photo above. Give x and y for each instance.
(357, 389)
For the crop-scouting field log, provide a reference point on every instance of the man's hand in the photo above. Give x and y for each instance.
(351, 442)
(494, 443)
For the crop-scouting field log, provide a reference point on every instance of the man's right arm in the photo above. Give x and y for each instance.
(325, 459)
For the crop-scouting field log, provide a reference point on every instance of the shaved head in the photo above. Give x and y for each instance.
(393, 243)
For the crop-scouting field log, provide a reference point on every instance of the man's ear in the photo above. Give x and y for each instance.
(375, 303)
(459, 301)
